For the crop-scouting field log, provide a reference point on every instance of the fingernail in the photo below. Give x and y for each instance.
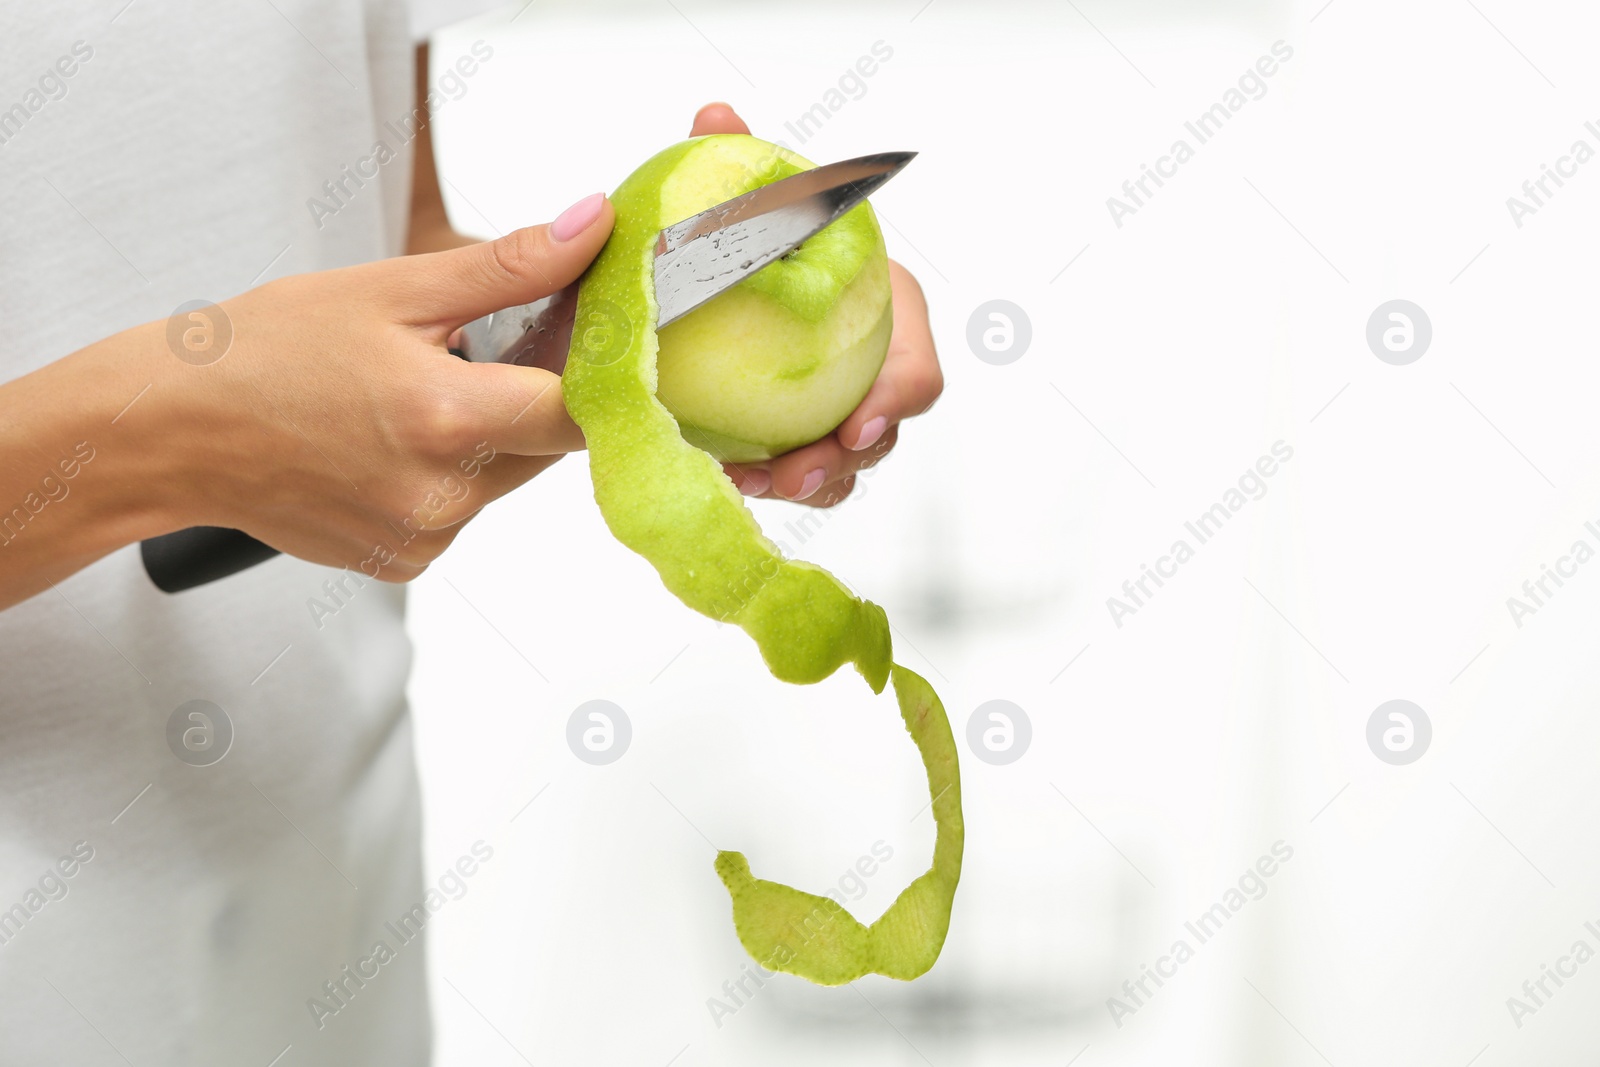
(870, 433)
(755, 483)
(812, 483)
(577, 218)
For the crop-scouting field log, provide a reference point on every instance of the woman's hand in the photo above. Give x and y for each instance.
(351, 432)
(321, 414)
(822, 473)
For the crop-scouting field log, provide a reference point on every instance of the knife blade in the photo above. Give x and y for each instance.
(696, 260)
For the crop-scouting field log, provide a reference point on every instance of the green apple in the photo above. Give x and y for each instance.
(808, 334)
(783, 357)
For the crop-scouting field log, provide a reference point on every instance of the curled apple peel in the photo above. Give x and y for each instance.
(785, 929)
(670, 501)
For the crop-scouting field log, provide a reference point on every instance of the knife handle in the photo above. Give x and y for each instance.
(201, 554)
(533, 335)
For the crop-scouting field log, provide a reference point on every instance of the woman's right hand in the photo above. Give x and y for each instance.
(335, 425)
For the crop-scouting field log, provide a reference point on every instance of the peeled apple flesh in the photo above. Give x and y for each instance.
(781, 358)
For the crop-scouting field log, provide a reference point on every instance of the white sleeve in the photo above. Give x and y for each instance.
(428, 16)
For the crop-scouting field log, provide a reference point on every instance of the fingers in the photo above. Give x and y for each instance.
(748, 478)
(414, 556)
(458, 407)
(444, 290)
(530, 414)
(910, 380)
(505, 474)
(717, 118)
(492, 479)
(410, 543)
(515, 410)
(819, 474)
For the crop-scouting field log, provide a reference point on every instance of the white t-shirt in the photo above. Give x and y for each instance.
(151, 154)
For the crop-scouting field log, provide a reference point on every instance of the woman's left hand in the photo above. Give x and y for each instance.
(822, 473)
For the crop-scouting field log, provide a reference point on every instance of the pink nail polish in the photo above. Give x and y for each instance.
(577, 218)
(870, 433)
(812, 483)
(755, 483)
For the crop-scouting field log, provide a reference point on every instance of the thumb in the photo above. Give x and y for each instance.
(717, 118)
(445, 290)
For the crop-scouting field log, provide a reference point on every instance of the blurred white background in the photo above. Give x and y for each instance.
(1169, 753)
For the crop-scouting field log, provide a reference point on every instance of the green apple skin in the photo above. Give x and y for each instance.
(782, 358)
(672, 503)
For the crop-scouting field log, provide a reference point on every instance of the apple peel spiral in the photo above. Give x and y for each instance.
(669, 500)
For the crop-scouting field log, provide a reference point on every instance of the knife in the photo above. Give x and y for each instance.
(696, 259)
